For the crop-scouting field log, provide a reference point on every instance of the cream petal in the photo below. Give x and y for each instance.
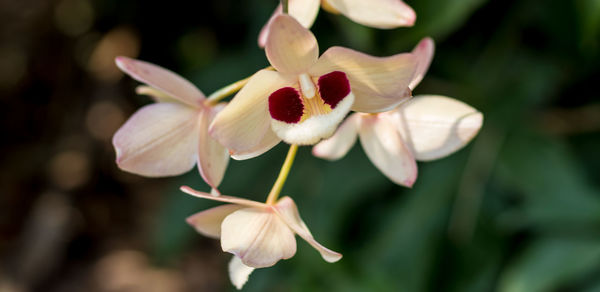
(424, 53)
(162, 79)
(384, 147)
(269, 141)
(238, 272)
(212, 157)
(158, 140)
(258, 237)
(290, 47)
(208, 222)
(304, 11)
(288, 212)
(241, 127)
(383, 14)
(378, 83)
(341, 142)
(435, 126)
(224, 199)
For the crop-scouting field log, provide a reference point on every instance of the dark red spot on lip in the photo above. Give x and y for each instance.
(333, 87)
(286, 105)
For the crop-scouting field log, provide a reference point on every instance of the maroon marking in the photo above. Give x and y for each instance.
(286, 105)
(333, 87)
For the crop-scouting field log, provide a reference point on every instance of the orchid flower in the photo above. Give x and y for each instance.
(424, 128)
(257, 234)
(384, 14)
(170, 136)
(308, 96)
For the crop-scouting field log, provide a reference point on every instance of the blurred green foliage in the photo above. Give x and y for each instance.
(517, 210)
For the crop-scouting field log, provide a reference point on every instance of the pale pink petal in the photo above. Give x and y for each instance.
(212, 157)
(383, 14)
(378, 83)
(290, 47)
(161, 79)
(336, 146)
(269, 141)
(208, 222)
(238, 272)
(436, 126)
(304, 11)
(241, 127)
(287, 210)
(384, 147)
(424, 53)
(258, 237)
(158, 140)
(224, 199)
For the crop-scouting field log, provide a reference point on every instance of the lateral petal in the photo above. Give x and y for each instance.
(238, 272)
(212, 157)
(162, 79)
(378, 83)
(424, 54)
(269, 140)
(435, 126)
(290, 47)
(242, 125)
(383, 14)
(336, 146)
(304, 11)
(288, 212)
(208, 222)
(258, 237)
(158, 140)
(384, 147)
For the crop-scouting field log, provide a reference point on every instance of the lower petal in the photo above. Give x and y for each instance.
(212, 156)
(158, 140)
(436, 126)
(258, 237)
(384, 147)
(287, 210)
(336, 146)
(238, 272)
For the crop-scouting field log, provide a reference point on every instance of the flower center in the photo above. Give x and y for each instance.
(286, 105)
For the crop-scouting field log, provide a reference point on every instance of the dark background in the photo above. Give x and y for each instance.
(516, 210)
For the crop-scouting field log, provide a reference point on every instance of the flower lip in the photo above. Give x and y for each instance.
(286, 105)
(333, 87)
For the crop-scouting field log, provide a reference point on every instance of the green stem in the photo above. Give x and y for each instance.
(284, 5)
(283, 174)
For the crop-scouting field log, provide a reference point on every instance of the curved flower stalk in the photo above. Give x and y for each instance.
(384, 14)
(169, 137)
(308, 96)
(257, 234)
(424, 128)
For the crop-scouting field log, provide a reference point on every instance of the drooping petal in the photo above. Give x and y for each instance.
(208, 222)
(290, 47)
(268, 141)
(287, 210)
(341, 142)
(304, 11)
(212, 157)
(384, 147)
(225, 199)
(258, 237)
(243, 124)
(378, 83)
(158, 140)
(162, 79)
(238, 272)
(424, 54)
(435, 126)
(383, 14)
